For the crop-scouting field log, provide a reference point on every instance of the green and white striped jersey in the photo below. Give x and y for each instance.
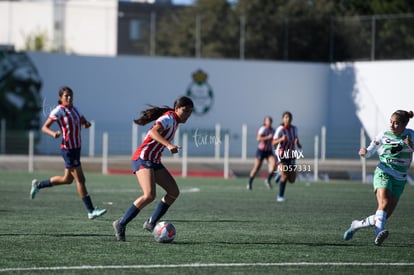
(394, 154)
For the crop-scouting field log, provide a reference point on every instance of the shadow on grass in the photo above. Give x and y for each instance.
(268, 244)
(212, 221)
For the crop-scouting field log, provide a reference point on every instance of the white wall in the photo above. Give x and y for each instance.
(342, 96)
(90, 27)
(19, 20)
(112, 91)
(381, 88)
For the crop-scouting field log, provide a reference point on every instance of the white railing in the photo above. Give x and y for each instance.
(222, 157)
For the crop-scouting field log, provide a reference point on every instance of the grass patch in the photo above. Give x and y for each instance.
(218, 222)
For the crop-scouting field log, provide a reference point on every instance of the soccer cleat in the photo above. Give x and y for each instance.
(96, 213)
(249, 186)
(350, 232)
(119, 230)
(34, 189)
(148, 226)
(280, 199)
(381, 236)
(267, 184)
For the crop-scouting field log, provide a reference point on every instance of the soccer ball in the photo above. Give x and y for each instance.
(164, 232)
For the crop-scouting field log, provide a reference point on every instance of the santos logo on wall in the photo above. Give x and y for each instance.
(201, 93)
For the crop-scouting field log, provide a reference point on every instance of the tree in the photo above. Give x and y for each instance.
(218, 31)
(300, 30)
(290, 30)
(395, 36)
(20, 98)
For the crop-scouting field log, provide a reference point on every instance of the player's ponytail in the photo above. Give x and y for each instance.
(403, 116)
(154, 112)
(151, 114)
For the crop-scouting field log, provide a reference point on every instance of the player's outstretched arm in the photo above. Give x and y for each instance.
(372, 148)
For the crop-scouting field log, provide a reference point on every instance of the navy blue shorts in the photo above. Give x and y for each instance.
(71, 157)
(145, 164)
(286, 161)
(260, 154)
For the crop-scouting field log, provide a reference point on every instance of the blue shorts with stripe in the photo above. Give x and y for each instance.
(71, 157)
(145, 164)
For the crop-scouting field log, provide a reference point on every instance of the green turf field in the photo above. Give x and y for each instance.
(221, 229)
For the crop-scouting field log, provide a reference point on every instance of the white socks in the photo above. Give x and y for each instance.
(367, 222)
(380, 219)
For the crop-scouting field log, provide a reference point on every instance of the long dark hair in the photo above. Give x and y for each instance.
(155, 112)
(62, 90)
(287, 113)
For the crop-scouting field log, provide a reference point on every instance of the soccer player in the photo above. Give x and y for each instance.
(286, 139)
(147, 166)
(264, 151)
(70, 122)
(395, 155)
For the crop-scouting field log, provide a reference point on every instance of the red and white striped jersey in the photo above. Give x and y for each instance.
(265, 145)
(152, 150)
(69, 121)
(285, 149)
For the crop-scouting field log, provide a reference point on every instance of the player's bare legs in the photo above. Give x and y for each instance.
(67, 178)
(164, 179)
(167, 182)
(146, 179)
(256, 167)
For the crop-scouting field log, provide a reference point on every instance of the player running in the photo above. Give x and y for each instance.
(395, 154)
(264, 151)
(147, 166)
(70, 122)
(286, 139)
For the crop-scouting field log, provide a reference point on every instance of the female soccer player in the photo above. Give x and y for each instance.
(264, 151)
(147, 166)
(286, 139)
(70, 122)
(395, 155)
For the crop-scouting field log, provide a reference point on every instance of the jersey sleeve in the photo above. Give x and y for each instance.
(165, 121)
(55, 113)
(374, 145)
(278, 133)
(261, 131)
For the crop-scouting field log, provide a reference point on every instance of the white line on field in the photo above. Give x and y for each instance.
(190, 190)
(196, 265)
